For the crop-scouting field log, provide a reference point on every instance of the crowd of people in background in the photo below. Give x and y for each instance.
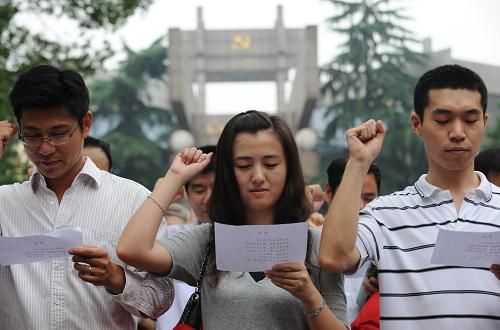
(368, 256)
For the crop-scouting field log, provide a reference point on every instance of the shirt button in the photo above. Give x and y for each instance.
(51, 202)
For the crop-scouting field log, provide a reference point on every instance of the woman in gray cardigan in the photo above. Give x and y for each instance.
(258, 181)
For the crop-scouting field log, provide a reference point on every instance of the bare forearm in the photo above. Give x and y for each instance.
(338, 250)
(137, 241)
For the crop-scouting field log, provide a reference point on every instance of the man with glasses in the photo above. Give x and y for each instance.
(100, 153)
(55, 140)
(94, 290)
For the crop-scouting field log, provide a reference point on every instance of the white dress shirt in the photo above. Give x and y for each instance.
(49, 294)
(353, 286)
(182, 291)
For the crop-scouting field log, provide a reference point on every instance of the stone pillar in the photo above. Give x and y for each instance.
(200, 62)
(281, 71)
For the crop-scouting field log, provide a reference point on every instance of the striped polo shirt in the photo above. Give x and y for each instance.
(398, 233)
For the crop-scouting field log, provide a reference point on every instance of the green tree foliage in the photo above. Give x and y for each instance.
(137, 131)
(493, 136)
(370, 78)
(21, 49)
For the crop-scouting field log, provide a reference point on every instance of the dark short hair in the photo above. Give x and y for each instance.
(336, 170)
(46, 86)
(211, 165)
(226, 205)
(451, 76)
(92, 142)
(488, 161)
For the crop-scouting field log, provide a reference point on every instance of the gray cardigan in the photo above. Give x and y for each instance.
(238, 302)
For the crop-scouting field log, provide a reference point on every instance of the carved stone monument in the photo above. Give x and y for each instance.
(201, 56)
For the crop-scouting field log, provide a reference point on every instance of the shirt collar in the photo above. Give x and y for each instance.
(89, 173)
(425, 189)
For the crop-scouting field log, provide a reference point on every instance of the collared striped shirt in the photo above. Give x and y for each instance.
(398, 233)
(49, 294)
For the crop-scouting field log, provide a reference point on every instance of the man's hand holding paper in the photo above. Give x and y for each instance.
(468, 249)
(94, 265)
(27, 249)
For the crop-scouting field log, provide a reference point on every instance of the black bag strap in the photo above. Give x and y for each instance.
(202, 270)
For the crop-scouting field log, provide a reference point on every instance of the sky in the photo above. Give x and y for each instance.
(471, 29)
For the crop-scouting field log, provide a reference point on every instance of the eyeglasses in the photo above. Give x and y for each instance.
(54, 140)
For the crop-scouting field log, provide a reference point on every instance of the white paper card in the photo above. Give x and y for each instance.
(257, 248)
(27, 249)
(468, 249)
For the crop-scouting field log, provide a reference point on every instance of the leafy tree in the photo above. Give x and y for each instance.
(137, 131)
(21, 49)
(371, 78)
(493, 136)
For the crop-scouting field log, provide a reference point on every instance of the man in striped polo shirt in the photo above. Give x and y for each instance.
(398, 232)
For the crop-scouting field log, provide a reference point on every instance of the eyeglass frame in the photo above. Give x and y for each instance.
(50, 138)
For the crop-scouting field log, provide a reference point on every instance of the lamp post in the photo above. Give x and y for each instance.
(181, 139)
(307, 140)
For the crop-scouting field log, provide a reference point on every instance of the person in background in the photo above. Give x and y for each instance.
(100, 153)
(198, 191)
(258, 181)
(7, 131)
(371, 182)
(316, 197)
(94, 290)
(398, 232)
(177, 215)
(314, 192)
(488, 163)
